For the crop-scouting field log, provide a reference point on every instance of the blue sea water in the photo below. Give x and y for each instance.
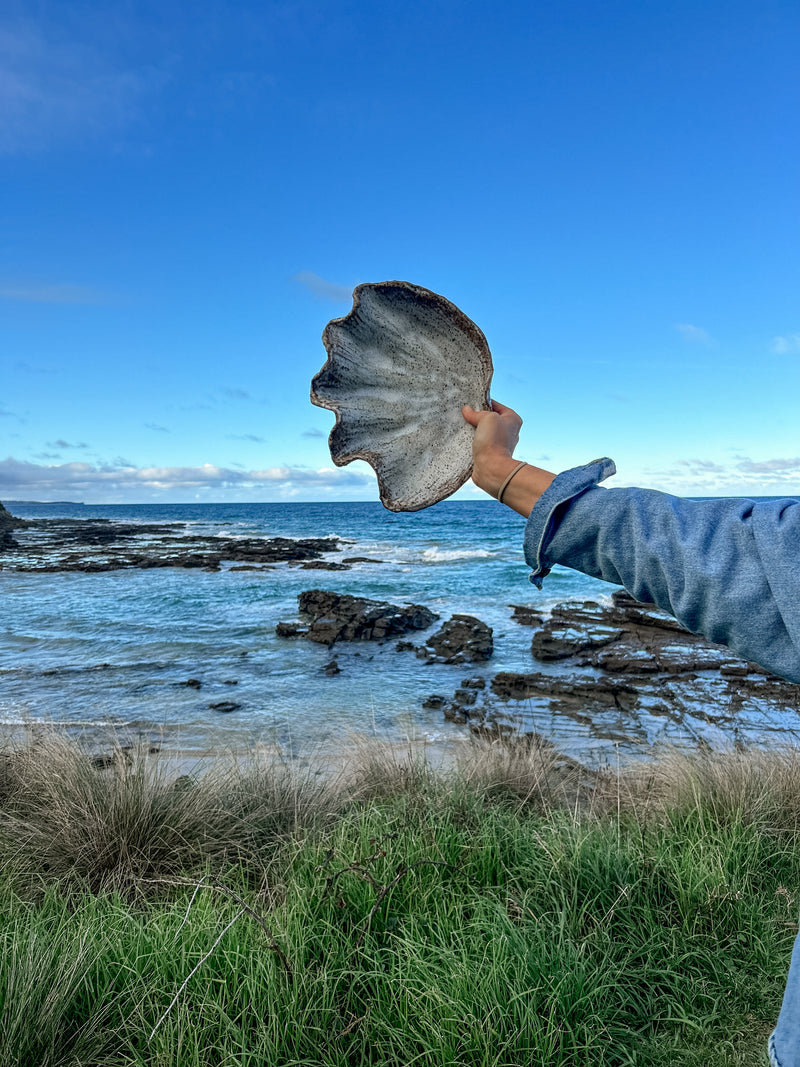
(116, 648)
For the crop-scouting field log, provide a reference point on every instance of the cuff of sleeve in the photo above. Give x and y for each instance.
(551, 507)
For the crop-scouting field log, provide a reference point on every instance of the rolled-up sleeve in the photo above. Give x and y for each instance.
(552, 505)
(728, 569)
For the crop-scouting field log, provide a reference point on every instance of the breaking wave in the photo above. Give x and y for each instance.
(447, 555)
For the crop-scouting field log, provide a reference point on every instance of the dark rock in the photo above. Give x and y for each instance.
(323, 565)
(465, 697)
(579, 691)
(625, 638)
(9, 522)
(434, 701)
(231, 681)
(225, 705)
(332, 668)
(462, 639)
(405, 646)
(121, 757)
(340, 617)
(768, 688)
(456, 714)
(525, 616)
(645, 614)
(571, 629)
(290, 629)
(193, 683)
(361, 559)
(558, 640)
(632, 655)
(493, 730)
(734, 670)
(479, 682)
(52, 545)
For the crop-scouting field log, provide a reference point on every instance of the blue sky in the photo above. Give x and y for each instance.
(188, 192)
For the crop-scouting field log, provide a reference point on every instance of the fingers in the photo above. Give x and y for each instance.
(473, 417)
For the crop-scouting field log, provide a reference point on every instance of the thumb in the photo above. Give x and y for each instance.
(470, 414)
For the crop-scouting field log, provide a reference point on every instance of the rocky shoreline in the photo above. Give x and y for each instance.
(619, 671)
(608, 667)
(99, 545)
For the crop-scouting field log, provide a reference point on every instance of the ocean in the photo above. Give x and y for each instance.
(93, 651)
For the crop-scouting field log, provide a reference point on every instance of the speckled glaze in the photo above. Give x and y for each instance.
(400, 366)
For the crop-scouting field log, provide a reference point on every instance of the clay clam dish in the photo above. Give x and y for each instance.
(400, 366)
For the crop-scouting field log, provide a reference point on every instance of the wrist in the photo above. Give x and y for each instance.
(522, 485)
(492, 469)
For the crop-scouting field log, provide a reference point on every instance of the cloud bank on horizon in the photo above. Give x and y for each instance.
(122, 481)
(93, 483)
(190, 195)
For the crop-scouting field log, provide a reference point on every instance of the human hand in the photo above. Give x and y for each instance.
(496, 437)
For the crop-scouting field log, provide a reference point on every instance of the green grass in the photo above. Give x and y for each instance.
(507, 912)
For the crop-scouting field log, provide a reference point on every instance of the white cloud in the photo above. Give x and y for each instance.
(339, 294)
(693, 334)
(702, 465)
(51, 293)
(741, 476)
(771, 466)
(313, 433)
(124, 478)
(785, 345)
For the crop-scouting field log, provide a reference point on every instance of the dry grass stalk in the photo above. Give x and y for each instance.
(529, 772)
(128, 819)
(376, 770)
(757, 786)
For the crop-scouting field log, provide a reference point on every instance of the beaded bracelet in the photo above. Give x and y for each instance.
(504, 486)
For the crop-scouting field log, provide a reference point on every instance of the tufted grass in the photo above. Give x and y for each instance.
(508, 911)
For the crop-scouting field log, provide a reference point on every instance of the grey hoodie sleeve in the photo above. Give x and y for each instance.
(727, 569)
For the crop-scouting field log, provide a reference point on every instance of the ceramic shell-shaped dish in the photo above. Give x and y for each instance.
(400, 366)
